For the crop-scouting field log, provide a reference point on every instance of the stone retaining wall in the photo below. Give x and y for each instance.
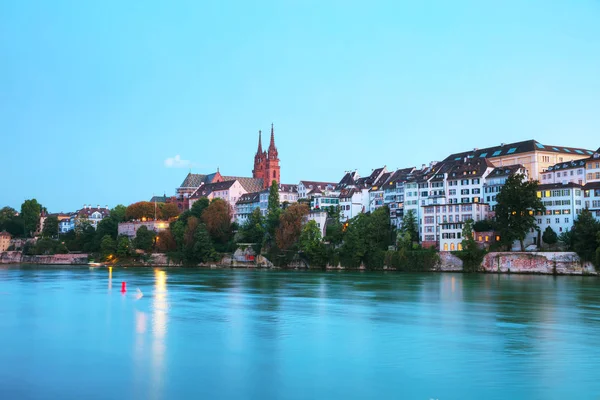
(16, 257)
(567, 263)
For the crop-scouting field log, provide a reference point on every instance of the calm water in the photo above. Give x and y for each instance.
(205, 334)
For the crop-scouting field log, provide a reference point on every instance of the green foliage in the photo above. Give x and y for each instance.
(108, 246)
(405, 260)
(410, 228)
(198, 207)
(144, 239)
(30, 213)
(253, 230)
(45, 246)
(549, 236)
(584, 236)
(203, 249)
(123, 246)
(273, 213)
(366, 239)
(485, 225)
(311, 245)
(471, 255)
(516, 209)
(118, 213)
(50, 228)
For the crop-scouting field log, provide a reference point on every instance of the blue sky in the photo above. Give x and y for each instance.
(95, 96)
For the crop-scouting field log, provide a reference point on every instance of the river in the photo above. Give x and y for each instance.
(69, 333)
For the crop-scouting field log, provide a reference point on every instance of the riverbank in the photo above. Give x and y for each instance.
(543, 263)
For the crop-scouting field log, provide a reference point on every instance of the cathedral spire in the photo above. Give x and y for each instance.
(272, 144)
(260, 150)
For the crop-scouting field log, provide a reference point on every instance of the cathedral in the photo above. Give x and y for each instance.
(266, 163)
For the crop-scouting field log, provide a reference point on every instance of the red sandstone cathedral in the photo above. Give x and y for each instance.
(266, 163)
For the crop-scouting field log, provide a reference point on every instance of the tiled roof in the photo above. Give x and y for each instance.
(249, 198)
(348, 179)
(567, 165)
(315, 184)
(592, 185)
(473, 167)
(89, 211)
(506, 171)
(381, 182)
(208, 188)
(517, 148)
(193, 180)
(5, 234)
(159, 199)
(250, 185)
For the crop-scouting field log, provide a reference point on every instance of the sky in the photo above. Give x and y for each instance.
(109, 102)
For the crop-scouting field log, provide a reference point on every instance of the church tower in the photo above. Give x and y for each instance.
(266, 163)
(259, 160)
(272, 170)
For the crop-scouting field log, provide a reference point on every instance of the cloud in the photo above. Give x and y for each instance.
(177, 162)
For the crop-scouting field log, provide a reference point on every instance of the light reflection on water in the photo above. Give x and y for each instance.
(295, 335)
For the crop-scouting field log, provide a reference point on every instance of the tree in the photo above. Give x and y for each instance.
(409, 226)
(6, 214)
(217, 218)
(140, 210)
(253, 231)
(485, 225)
(118, 213)
(199, 206)
(50, 228)
(273, 213)
(311, 245)
(517, 206)
(30, 213)
(290, 225)
(144, 239)
(549, 236)
(168, 211)
(584, 235)
(202, 250)
(165, 242)
(108, 246)
(471, 255)
(123, 246)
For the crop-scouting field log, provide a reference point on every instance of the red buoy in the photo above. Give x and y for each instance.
(123, 287)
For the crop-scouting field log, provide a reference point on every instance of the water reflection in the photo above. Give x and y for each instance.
(159, 331)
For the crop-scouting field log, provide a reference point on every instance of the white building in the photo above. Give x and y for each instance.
(92, 215)
(307, 188)
(495, 180)
(245, 205)
(320, 217)
(591, 198)
(230, 191)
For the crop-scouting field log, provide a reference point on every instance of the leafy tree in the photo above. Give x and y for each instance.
(253, 231)
(118, 213)
(30, 213)
(108, 246)
(354, 248)
(485, 225)
(409, 226)
(471, 255)
(202, 250)
(311, 245)
(123, 246)
(290, 225)
(144, 239)
(165, 242)
(273, 213)
(517, 206)
(6, 214)
(217, 218)
(168, 211)
(584, 235)
(15, 226)
(140, 210)
(45, 246)
(549, 236)
(50, 228)
(199, 206)
(334, 230)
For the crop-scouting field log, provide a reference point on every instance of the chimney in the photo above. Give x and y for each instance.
(475, 149)
(501, 144)
(98, 206)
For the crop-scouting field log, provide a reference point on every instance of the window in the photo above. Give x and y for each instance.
(557, 220)
(566, 220)
(546, 159)
(452, 192)
(476, 191)
(464, 191)
(483, 155)
(496, 153)
(511, 150)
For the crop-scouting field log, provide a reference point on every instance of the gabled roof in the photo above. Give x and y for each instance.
(249, 198)
(250, 185)
(567, 165)
(315, 184)
(517, 148)
(193, 180)
(380, 182)
(5, 234)
(159, 199)
(86, 212)
(471, 168)
(349, 179)
(207, 189)
(506, 170)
